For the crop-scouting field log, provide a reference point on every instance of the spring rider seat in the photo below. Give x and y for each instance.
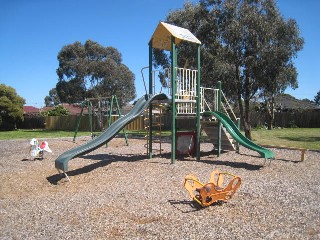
(216, 190)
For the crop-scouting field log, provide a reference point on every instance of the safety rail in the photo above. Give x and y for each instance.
(209, 104)
(186, 94)
(229, 108)
(157, 75)
(212, 104)
(186, 82)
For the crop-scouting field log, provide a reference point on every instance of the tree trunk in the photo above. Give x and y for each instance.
(244, 109)
(270, 112)
(244, 115)
(247, 121)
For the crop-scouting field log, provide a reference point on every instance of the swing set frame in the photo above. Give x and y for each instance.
(113, 100)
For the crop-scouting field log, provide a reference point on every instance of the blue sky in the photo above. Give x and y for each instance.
(32, 32)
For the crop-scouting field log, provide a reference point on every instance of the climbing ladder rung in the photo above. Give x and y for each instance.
(185, 101)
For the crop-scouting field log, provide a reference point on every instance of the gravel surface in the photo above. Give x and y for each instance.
(118, 193)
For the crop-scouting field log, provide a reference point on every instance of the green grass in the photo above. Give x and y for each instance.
(38, 133)
(291, 137)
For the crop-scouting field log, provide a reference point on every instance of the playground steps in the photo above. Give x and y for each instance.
(211, 128)
(156, 126)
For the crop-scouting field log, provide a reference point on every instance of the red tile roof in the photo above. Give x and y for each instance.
(30, 110)
(72, 108)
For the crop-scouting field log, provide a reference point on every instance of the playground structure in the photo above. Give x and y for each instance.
(186, 98)
(183, 85)
(156, 127)
(217, 189)
(61, 163)
(104, 106)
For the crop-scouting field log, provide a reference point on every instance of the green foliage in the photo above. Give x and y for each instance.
(317, 98)
(56, 111)
(292, 124)
(91, 70)
(247, 45)
(11, 107)
(52, 99)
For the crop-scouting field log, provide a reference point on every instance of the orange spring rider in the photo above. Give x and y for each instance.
(215, 190)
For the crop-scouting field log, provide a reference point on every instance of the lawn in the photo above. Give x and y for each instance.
(38, 133)
(291, 137)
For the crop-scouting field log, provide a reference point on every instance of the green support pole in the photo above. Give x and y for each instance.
(198, 107)
(110, 112)
(78, 122)
(150, 107)
(237, 143)
(220, 125)
(90, 117)
(119, 113)
(174, 90)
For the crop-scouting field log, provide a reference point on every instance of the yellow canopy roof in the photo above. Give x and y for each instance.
(161, 37)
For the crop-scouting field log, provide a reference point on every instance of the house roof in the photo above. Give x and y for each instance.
(125, 109)
(289, 102)
(161, 37)
(74, 109)
(30, 110)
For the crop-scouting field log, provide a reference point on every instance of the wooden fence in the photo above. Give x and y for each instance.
(32, 122)
(69, 123)
(306, 119)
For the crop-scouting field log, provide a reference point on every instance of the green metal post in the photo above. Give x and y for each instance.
(150, 107)
(220, 125)
(110, 111)
(120, 115)
(174, 90)
(198, 107)
(237, 143)
(110, 114)
(90, 117)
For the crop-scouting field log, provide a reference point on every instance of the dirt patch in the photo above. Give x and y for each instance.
(117, 192)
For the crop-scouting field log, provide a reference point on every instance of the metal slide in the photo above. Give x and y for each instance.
(61, 162)
(237, 135)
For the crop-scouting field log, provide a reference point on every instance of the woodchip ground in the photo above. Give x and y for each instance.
(118, 193)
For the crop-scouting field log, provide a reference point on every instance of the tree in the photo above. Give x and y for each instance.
(52, 99)
(56, 111)
(317, 98)
(246, 44)
(276, 69)
(11, 107)
(91, 70)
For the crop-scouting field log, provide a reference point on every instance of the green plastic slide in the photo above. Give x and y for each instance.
(62, 161)
(238, 136)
